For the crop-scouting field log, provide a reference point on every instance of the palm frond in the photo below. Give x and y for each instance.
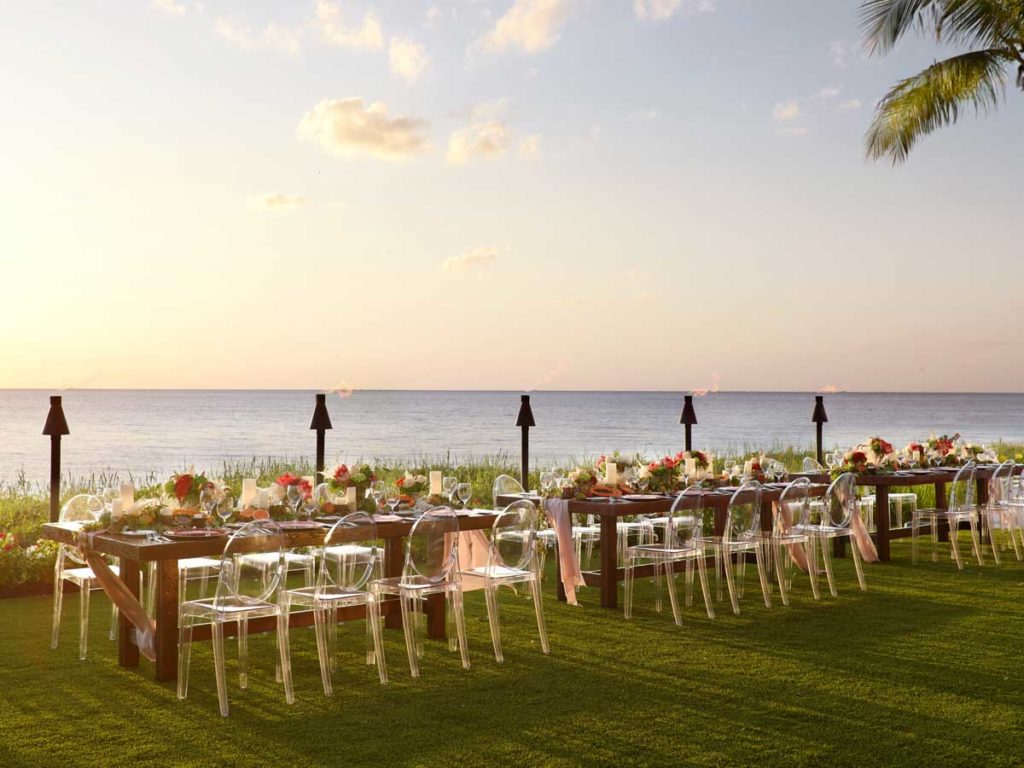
(886, 21)
(933, 98)
(990, 23)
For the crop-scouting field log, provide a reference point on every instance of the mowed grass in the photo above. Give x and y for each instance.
(926, 668)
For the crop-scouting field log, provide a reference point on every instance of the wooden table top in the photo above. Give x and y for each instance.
(911, 477)
(146, 550)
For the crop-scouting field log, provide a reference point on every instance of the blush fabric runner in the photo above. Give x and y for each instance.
(557, 511)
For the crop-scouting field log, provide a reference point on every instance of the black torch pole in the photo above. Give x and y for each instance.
(524, 421)
(321, 422)
(56, 426)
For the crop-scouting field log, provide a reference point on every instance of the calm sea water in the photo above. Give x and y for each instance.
(143, 431)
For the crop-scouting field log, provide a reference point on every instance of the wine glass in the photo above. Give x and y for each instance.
(294, 497)
(208, 501)
(377, 492)
(465, 492)
(643, 481)
(110, 494)
(730, 468)
(395, 500)
(547, 481)
(225, 508)
(448, 485)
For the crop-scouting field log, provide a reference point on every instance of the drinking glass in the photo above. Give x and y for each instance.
(547, 481)
(449, 484)
(110, 494)
(377, 491)
(730, 467)
(395, 500)
(225, 508)
(208, 501)
(465, 492)
(294, 496)
(643, 482)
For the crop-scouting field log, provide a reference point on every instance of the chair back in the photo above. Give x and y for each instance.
(83, 508)
(794, 502)
(238, 584)
(811, 464)
(743, 515)
(517, 548)
(1000, 484)
(962, 490)
(685, 520)
(840, 503)
(431, 550)
(362, 559)
(504, 485)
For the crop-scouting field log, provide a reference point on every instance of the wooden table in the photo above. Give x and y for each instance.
(939, 477)
(133, 553)
(608, 514)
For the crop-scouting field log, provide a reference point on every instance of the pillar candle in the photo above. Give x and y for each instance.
(611, 472)
(435, 483)
(248, 491)
(127, 495)
(691, 467)
(263, 498)
(748, 467)
(711, 464)
(350, 498)
(116, 509)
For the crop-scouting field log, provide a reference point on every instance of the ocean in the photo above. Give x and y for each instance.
(144, 431)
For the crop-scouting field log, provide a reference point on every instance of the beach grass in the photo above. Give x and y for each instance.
(923, 669)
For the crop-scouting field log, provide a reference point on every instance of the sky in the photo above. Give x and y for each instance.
(491, 194)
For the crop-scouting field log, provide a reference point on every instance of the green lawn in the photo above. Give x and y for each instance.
(926, 668)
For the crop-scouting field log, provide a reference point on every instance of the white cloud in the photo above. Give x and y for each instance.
(408, 58)
(659, 10)
(786, 110)
(850, 104)
(481, 257)
(529, 25)
(796, 130)
(828, 92)
(345, 127)
(646, 114)
(839, 51)
(367, 35)
(483, 139)
(275, 201)
(173, 7)
(529, 147)
(273, 37)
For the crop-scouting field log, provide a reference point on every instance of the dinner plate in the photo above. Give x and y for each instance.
(141, 533)
(195, 533)
(643, 497)
(299, 525)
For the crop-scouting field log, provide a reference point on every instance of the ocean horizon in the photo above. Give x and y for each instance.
(143, 431)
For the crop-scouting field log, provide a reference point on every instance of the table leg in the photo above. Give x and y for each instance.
(127, 650)
(559, 586)
(436, 617)
(982, 501)
(609, 562)
(394, 556)
(942, 502)
(166, 620)
(882, 522)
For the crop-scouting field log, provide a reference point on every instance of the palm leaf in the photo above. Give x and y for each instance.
(886, 21)
(934, 98)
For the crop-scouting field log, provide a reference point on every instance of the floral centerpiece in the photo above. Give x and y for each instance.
(185, 488)
(941, 450)
(411, 486)
(874, 457)
(580, 483)
(358, 476)
(664, 474)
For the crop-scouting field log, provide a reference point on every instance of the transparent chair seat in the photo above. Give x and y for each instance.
(790, 544)
(961, 509)
(512, 558)
(665, 541)
(835, 513)
(270, 558)
(430, 568)
(195, 563)
(241, 595)
(347, 569)
(83, 508)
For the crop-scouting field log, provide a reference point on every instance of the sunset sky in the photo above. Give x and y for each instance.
(527, 194)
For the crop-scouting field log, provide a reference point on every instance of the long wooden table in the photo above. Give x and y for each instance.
(608, 514)
(134, 553)
(938, 477)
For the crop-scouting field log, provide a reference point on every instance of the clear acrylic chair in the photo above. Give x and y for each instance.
(505, 485)
(343, 583)
(546, 536)
(960, 509)
(811, 464)
(790, 515)
(83, 508)
(995, 516)
(672, 539)
(243, 594)
(835, 515)
(430, 568)
(1012, 503)
(743, 535)
(512, 558)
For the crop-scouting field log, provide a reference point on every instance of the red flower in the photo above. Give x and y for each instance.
(182, 486)
(340, 472)
(653, 466)
(306, 488)
(287, 479)
(857, 458)
(400, 482)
